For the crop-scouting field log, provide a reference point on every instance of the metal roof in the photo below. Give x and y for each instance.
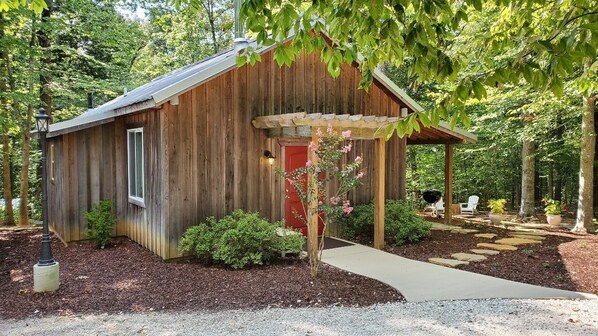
(174, 83)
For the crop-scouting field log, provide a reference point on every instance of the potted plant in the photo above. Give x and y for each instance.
(497, 208)
(552, 211)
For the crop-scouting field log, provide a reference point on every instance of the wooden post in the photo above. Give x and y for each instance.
(402, 167)
(448, 184)
(312, 199)
(379, 165)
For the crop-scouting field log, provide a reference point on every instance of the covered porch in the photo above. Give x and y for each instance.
(303, 126)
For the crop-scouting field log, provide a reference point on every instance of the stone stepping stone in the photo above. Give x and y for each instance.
(464, 231)
(498, 247)
(486, 252)
(485, 235)
(531, 233)
(444, 227)
(447, 262)
(468, 257)
(527, 236)
(517, 241)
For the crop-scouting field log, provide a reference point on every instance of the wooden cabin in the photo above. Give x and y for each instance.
(191, 144)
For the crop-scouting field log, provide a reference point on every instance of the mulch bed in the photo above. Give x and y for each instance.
(563, 260)
(129, 278)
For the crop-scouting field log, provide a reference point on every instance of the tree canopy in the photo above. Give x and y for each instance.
(542, 42)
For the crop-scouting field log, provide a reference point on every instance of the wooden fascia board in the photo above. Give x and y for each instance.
(80, 127)
(74, 125)
(434, 141)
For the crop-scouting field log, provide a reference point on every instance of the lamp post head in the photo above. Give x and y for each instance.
(42, 121)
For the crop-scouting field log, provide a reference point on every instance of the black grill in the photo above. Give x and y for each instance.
(431, 196)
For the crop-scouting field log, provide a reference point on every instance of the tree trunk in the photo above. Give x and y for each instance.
(550, 182)
(586, 167)
(558, 172)
(537, 180)
(208, 6)
(414, 177)
(9, 216)
(26, 138)
(527, 208)
(595, 164)
(44, 42)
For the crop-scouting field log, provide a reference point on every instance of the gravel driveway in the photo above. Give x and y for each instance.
(474, 317)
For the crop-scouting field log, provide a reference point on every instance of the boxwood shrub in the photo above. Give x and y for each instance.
(240, 239)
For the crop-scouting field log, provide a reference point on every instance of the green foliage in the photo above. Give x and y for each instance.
(181, 32)
(35, 5)
(497, 206)
(528, 252)
(238, 240)
(359, 222)
(552, 207)
(472, 45)
(400, 222)
(289, 242)
(101, 222)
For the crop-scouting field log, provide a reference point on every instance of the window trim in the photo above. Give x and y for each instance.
(140, 201)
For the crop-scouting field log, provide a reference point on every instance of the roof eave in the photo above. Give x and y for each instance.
(88, 121)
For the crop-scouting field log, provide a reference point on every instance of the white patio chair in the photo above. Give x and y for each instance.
(470, 207)
(439, 206)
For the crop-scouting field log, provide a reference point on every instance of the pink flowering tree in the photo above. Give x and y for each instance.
(330, 169)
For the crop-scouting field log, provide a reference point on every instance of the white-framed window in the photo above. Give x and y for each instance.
(135, 166)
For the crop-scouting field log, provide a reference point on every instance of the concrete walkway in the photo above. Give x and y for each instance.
(419, 281)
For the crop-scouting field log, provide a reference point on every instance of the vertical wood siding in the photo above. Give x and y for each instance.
(204, 158)
(84, 175)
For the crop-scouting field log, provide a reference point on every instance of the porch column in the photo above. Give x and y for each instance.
(379, 166)
(448, 184)
(402, 166)
(312, 199)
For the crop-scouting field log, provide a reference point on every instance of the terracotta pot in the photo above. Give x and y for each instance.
(495, 218)
(554, 220)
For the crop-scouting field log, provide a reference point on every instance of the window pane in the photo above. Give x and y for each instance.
(139, 164)
(131, 162)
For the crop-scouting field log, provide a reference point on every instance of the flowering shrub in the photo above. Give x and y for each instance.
(327, 153)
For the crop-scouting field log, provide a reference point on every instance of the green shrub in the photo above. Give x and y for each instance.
(199, 240)
(238, 240)
(101, 222)
(400, 222)
(289, 242)
(359, 222)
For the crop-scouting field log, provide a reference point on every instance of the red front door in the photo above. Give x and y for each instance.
(295, 157)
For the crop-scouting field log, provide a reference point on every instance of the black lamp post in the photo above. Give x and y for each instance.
(42, 123)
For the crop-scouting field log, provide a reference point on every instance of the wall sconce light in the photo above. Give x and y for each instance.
(268, 154)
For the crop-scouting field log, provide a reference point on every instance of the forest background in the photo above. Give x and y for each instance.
(54, 53)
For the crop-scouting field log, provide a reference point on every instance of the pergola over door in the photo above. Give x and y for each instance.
(362, 127)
